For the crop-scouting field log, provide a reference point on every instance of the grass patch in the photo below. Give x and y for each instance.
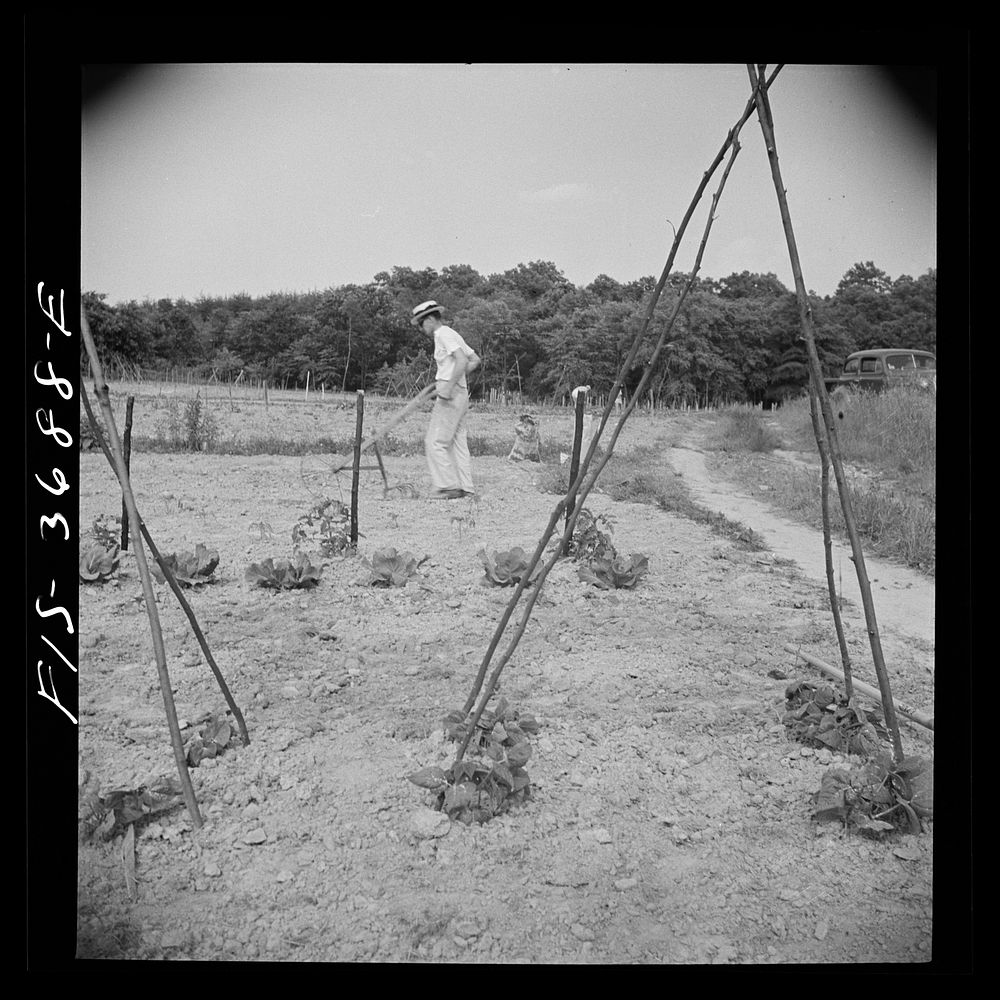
(896, 524)
(246, 447)
(640, 475)
(166, 441)
(892, 432)
(739, 428)
(635, 476)
(893, 524)
(677, 501)
(890, 435)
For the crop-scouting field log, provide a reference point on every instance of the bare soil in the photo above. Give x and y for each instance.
(670, 815)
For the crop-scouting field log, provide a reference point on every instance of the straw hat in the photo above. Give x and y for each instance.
(423, 310)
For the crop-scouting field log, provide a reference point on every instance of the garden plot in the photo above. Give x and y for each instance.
(669, 818)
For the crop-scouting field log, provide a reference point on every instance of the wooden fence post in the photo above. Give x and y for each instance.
(356, 475)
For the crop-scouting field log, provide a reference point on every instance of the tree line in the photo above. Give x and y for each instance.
(735, 340)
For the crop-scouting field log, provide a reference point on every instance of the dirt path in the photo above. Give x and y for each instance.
(904, 599)
(670, 817)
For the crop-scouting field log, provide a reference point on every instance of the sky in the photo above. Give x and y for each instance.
(212, 179)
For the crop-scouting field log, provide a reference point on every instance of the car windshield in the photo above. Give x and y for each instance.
(894, 362)
(851, 366)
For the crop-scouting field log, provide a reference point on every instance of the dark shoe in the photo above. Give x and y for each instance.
(446, 495)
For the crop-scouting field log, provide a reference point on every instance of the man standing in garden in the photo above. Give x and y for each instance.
(446, 444)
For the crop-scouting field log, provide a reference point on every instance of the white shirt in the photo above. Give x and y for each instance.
(446, 342)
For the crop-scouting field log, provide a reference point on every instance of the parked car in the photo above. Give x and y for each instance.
(874, 370)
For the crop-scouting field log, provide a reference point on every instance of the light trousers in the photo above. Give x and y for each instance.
(446, 444)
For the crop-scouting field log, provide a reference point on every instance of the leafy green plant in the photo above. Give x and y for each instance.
(328, 525)
(213, 738)
(88, 442)
(617, 573)
(878, 796)
(107, 530)
(98, 564)
(199, 425)
(492, 776)
(816, 717)
(190, 569)
(589, 540)
(389, 568)
(194, 429)
(284, 574)
(505, 569)
(117, 809)
(602, 566)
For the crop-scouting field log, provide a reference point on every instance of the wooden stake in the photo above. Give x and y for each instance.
(385, 428)
(838, 624)
(574, 462)
(816, 375)
(127, 447)
(381, 468)
(587, 477)
(174, 586)
(357, 466)
(149, 595)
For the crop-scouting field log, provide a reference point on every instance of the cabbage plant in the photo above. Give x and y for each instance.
(389, 568)
(284, 574)
(192, 569)
(98, 563)
(617, 573)
(506, 569)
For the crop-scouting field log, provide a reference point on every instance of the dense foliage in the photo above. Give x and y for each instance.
(735, 339)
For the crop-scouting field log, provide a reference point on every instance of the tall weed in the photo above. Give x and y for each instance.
(891, 522)
(894, 431)
(192, 428)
